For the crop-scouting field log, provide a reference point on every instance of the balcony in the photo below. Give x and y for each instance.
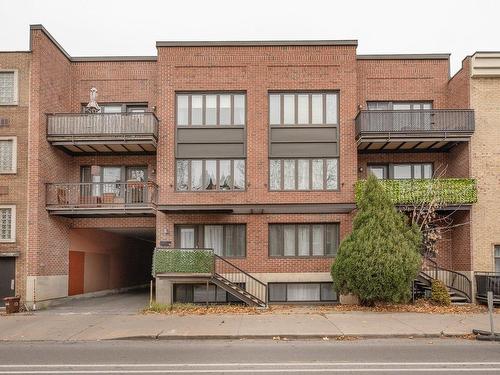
(413, 131)
(446, 191)
(133, 198)
(108, 133)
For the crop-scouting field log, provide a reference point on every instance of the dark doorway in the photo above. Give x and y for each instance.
(7, 277)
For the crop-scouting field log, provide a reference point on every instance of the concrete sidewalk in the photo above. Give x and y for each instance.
(86, 326)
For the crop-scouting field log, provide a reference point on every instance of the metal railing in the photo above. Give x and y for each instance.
(101, 194)
(102, 124)
(237, 276)
(416, 121)
(486, 282)
(455, 281)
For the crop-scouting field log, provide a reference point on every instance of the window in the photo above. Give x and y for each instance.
(8, 87)
(7, 223)
(228, 240)
(211, 109)
(118, 108)
(8, 154)
(402, 171)
(303, 108)
(398, 106)
(210, 174)
(497, 258)
(302, 292)
(198, 293)
(303, 240)
(303, 174)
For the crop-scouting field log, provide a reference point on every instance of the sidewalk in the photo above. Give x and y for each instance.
(64, 326)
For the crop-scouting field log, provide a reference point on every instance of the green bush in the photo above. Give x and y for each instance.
(182, 261)
(380, 258)
(439, 293)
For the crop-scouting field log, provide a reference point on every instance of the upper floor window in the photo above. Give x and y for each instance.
(302, 108)
(398, 106)
(303, 174)
(8, 87)
(211, 109)
(8, 146)
(402, 171)
(7, 223)
(122, 108)
(222, 174)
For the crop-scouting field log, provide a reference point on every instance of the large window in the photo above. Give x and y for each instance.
(402, 171)
(497, 258)
(303, 174)
(211, 109)
(199, 175)
(8, 87)
(313, 108)
(7, 223)
(303, 240)
(228, 240)
(8, 146)
(302, 292)
(398, 106)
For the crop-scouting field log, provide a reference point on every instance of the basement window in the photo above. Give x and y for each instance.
(302, 292)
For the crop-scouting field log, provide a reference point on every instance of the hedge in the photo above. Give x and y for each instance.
(182, 261)
(444, 190)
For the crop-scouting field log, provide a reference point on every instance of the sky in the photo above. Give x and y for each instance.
(131, 27)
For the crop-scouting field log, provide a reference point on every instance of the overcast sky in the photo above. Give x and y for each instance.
(126, 27)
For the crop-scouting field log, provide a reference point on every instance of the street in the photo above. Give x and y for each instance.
(449, 356)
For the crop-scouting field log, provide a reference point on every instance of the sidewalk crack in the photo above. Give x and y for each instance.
(332, 323)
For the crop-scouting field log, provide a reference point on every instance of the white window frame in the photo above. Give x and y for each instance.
(12, 224)
(14, 155)
(16, 86)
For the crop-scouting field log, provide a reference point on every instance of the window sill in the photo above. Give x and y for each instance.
(9, 104)
(8, 241)
(8, 172)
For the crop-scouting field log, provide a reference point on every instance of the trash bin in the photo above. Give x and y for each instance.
(12, 304)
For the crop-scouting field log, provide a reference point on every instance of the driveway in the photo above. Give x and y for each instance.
(129, 303)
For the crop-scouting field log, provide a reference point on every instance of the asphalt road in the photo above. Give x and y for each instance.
(406, 356)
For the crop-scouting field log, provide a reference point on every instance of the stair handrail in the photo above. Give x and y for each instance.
(455, 275)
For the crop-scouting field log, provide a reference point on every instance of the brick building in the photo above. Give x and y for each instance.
(252, 149)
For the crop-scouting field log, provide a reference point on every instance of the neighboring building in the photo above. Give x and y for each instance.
(252, 149)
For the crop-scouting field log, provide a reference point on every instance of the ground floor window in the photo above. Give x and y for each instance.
(302, 292)
(198, 293)
(497, 258)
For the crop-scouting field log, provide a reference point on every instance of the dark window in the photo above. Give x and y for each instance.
(210, 174)
(402, 171)
(198, 293)
(303, 174)
(497, 258)
(303, 240)
(302, 292)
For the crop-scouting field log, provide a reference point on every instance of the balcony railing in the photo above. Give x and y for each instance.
(102, 195)
(102, 132)
(450, 191)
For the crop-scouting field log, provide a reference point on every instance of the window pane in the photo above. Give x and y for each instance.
(303, 109)
(5, 223)
(111, 109)
(275, 174)
(303, 292)
(303, 236)
(275, 240)
(196, 109)
(497, 258)
(318, 233)
(211, 110)
(239, 175)
(427, 170)
(402, 171)
(317, 109)
(327, 292)
(401, 106)
(182, 110)
(497, 251)
(303, 174)
(7, 85)
(210, 175)
(289, 240)
(229, 238)
(239, 109)
(332, 239)
(274, 109)
(289, 175)
(417, 171)
(289, 109)
(331, 109)
(331, 174)
(225, 109)
(377, 171)
(213, 238)
(6, 156)
(277, 292)
(317, 174)
(196, 175)
(200, 293)
(225, 174)
(240, 234)
(182, 175)
(378, 106)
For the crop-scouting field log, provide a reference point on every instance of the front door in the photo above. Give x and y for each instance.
(187, 238)
(7, 277)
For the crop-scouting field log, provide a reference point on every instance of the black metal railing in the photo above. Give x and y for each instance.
(237, 276)
(487, 282)
(416, 121)
(455, 281)
(101, 194)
